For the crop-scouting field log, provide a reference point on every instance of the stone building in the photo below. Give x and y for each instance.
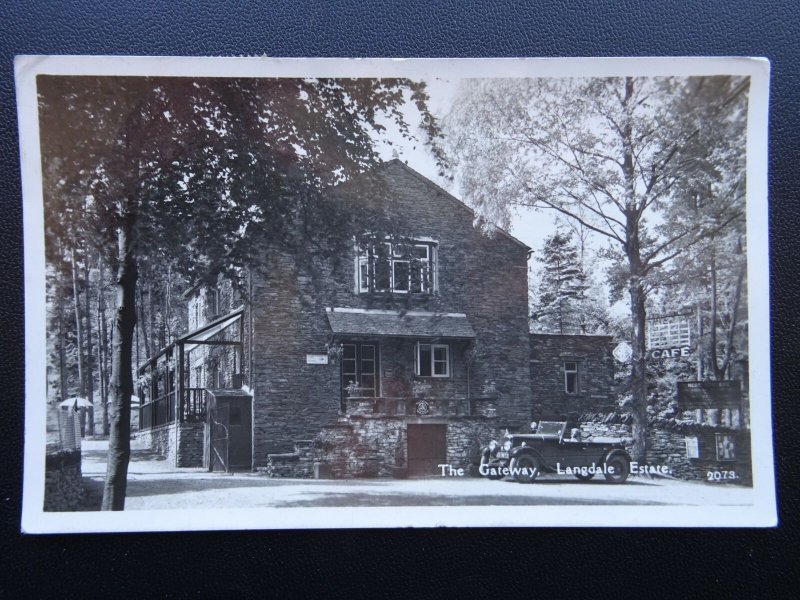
(571, 374)
(413, 350)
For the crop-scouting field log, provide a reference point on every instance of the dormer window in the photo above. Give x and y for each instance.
(396, 267)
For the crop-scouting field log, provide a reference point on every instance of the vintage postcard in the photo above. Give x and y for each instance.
(349, 293)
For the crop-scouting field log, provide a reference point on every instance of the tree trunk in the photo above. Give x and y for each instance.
(639, 368)
(119, 442)
(103, 345)
(636, 285)
(89, 354)
(62, 358)
(726, 361)
(79, 335)
(151, 351)
(142, 326)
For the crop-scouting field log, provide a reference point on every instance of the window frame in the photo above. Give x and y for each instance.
(433, 347)
(366, 256)
(359, 359)
(577, 372)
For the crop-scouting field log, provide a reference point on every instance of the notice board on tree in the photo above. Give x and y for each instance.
(693, 395)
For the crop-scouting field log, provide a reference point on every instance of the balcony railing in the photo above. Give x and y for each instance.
(193, 407)
(433, 407)
(158, 412)
(161, 411)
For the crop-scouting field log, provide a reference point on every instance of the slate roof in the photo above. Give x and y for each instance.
(416, 324)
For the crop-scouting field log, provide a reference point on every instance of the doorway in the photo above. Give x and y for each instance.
(427, 448)
(230, 428)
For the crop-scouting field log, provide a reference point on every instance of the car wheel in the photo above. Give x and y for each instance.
(585, 477)
(621, 469)
(525, 468)
(485, 463)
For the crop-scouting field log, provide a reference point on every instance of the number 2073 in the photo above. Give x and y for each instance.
(720, 475)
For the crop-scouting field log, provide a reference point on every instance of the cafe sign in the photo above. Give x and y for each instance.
(662, 353)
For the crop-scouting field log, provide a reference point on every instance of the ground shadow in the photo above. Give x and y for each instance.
(343, 500)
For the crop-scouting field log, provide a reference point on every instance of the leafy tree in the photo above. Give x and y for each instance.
(186, 171)
(618, 156)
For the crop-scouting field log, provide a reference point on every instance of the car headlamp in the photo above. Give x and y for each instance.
(492, 445)
(507, 445)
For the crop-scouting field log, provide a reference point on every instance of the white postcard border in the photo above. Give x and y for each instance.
(762, 512)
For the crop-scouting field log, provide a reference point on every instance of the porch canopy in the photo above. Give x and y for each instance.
(389, 323)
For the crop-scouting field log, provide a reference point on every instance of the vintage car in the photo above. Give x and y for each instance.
(555, 447)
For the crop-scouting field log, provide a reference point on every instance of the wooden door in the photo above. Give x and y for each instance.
(240, 432)
(231, 434)
(427, 448)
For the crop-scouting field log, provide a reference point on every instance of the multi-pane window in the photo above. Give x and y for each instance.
(396, 267)
(571, 377)
(359, 370)
(433, 360)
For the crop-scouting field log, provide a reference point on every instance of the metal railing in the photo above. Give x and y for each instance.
(158, 412)
(193, 405)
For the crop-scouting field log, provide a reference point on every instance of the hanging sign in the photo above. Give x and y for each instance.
(623, 352)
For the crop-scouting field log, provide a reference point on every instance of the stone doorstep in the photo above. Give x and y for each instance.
(287, 456)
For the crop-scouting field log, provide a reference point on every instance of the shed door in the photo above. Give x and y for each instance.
(427, 448)
(231, 439)
(239, 429)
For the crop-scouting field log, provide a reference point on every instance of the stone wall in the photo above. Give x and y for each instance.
(667, 446)
(298, 464)
(548, 353)
(63, 484)
(160, 440)
(190, 448)
(191, 444)
(377, 447)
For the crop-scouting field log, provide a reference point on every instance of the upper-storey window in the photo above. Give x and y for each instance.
(397, 267)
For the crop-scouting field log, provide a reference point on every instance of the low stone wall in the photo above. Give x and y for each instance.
(667, 445)
(63, 485)
(378, 447)
(297, 464)
(466, 438)
(160, 440)
(669, 448)
(190, 443)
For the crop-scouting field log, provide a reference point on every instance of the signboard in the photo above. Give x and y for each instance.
(661, 353)
(623, 352)
(423, 408)
(694, 395)
(316, 359)
(669, 332)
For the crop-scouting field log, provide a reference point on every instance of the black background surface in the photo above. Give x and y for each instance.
(420, 563)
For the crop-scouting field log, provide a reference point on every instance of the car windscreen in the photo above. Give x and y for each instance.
(550, 427)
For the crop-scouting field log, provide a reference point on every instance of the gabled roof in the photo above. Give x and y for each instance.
(436, 188)
(198, 336)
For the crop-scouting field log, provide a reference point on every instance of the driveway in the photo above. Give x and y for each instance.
(154, 484)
